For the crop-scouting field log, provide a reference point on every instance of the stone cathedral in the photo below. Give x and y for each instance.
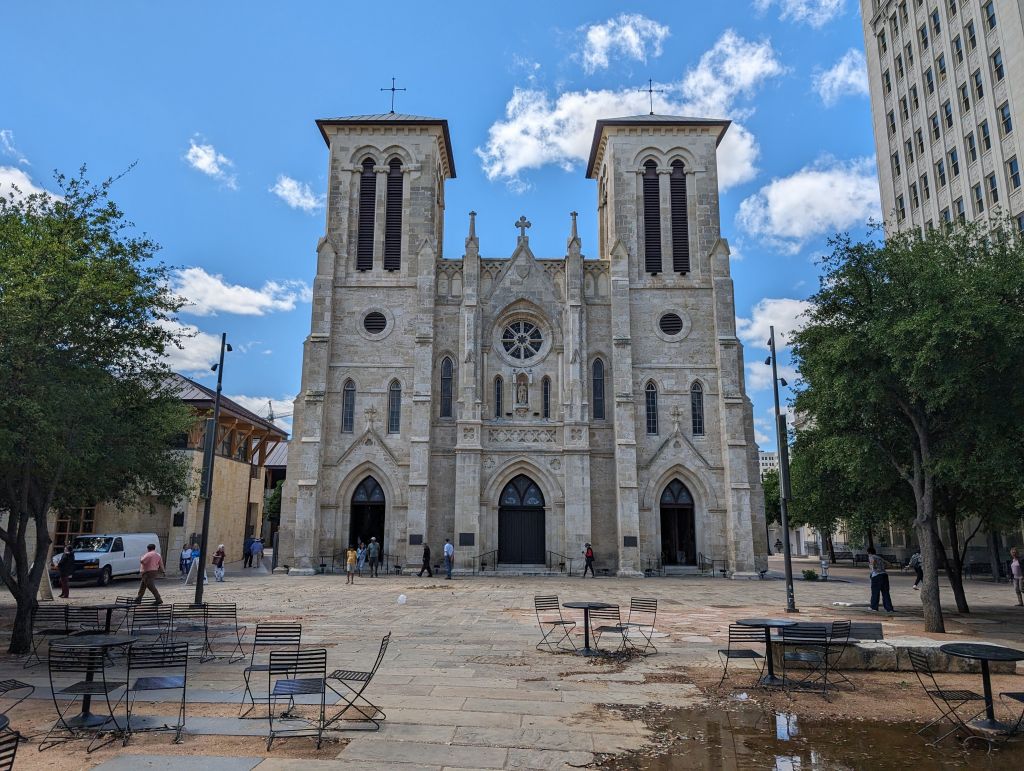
(522, 405)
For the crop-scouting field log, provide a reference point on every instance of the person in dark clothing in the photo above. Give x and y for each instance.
(426, 562)
(588, 555)
(879, 581)
(66, 568)
(247, 552)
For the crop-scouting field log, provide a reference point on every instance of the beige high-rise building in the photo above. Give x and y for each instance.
(946, 80)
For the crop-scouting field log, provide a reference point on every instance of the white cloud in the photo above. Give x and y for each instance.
(297, 194)
(628, 35)
(783, 313)
(205, 158)
(816, 13)
(759, 375)
(258, 404)
(826, 196)
(762, 428)
(199, 350)
(206, 294)
(847, 76)
(12, 176)
(538, 130)
(7, 147)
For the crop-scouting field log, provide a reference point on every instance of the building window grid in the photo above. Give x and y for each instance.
(922, 34)
(972, 147)
(395, 407)
(979, 85)
(446, 387)
(958, 206)
(954, 163)
(997, 65)
(926, 191)
(929, 80)
(940, 65)
(952, 8)
(901, 209)
(915, 200)
(1005, 119)
(909, 148)
(909, 51)
(651, 402)
(944, 214)
(348, 407)
(986, 136)
(989, 9)
(904, 109)
(1013, 172)
(882, 47)
(979, 198)
(965, 100)
(887, 82)
(919, 136)
(597, 388)
(947, 114)
(936, 131)
(940, 173)
(993, 190)
(958, 50)
(900, 73)
(936, 25)
(972, 38)
(891, 118)
(697, 409)
(896, 170)
(915, 103)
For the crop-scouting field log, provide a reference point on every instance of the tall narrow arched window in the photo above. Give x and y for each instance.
(446, 387)
(367, 209)
(395, 407)
(680, 224)
(652, 219)
(545, 397)
(499, 385)
(597, 389)
(393, 217)
(651, 400)
(348, 407)
(697, 409)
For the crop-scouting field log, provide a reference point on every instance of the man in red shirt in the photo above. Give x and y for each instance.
(150, 565)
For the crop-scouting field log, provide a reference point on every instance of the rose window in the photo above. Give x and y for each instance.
(522, 340)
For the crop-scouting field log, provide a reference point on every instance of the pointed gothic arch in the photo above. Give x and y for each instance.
(676, 512)
(521, 525)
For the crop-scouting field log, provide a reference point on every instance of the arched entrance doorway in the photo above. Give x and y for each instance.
(678, 531)
(367, 518)
(521, 523)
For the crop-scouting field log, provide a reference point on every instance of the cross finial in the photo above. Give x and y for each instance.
(522, 224)
(651, 91)
(393, 90)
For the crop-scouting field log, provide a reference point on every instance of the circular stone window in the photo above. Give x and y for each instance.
(522, 340)
(375, 322)
(671, 324)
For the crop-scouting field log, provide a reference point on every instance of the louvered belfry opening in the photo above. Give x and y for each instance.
(652, 219)
(367, 205)
(680, 224)
(393, 218)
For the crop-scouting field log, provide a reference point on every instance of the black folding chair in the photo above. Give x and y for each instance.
(806, 645)
(1018, 697)
(222, 620)
(549, 617)
(285, 681)
(740, 636)
(77, 662)
(8, 749)
(151, 623)
(270, 636)
(15, 686)
(357, 682)
(48, 621)
(947, 700)
(190, 621)
(164, 667)
(84, 621)
(128, 604)
(608, 621)
(838, 640)
(643, 612)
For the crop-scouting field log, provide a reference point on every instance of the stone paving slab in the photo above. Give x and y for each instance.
(383, 750)
(162, 762)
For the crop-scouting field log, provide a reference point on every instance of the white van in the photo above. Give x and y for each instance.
(104, 557)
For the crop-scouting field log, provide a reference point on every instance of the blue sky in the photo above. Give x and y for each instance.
(216, 102)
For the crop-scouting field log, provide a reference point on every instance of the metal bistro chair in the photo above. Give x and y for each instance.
(557, 627)
(191, 621)
(48, 621)
(8, 748)
(164, 668)
(288, 667)
(838, 639)
(7, 686)
(222, 619)
(128, 604)
(270, 636)
(738, 637)
(151, 623)
(948, 701)
(597, 629)
(357, 682)
(811, 643)
(643, 612)
(1018, 697)
(84, 621)
(74, 661)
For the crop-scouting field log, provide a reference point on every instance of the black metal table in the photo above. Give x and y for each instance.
(85, 718)
(586, 607)
(985, 653)
(768, 624)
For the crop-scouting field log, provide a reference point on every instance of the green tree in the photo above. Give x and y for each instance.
(88, 409)
(913, 346)
(772, 507)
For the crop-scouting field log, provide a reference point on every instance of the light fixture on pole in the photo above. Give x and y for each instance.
(206, 489)
(781, 435)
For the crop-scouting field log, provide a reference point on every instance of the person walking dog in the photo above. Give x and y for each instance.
(150, 564)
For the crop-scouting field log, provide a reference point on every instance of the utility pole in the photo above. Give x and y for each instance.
(782, 440)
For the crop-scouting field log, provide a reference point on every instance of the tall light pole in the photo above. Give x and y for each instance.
(781, 438)
(207, 484)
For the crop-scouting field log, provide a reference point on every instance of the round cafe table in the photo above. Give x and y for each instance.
(985, 653)
(108, 608)
(85, 718)
(768, 624)
(586, 607)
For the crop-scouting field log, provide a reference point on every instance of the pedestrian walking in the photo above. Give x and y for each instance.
(218, 563)
(879, 581)
(66, 569)
(588, 556)
(350, 565)
(256, 553)
(150, 564)
(360, 557)
(247, 552)
(1016, 574)
(184, 560)
(426, 562)
(915, 564)
(449, 559)
(373, 555)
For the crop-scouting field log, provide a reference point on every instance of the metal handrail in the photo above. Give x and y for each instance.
(481, 561)
(654, 566)
(563, 561)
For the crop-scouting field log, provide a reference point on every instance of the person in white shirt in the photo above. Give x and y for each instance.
(449, 558)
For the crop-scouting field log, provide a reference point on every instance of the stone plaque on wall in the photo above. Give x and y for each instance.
(415, 539)
(467, 539)
(629, 540)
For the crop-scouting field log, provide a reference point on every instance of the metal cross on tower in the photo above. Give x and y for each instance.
(522, 224)
(393, 90)
(651, 91)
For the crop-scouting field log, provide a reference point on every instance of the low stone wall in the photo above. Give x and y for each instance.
(891, 656)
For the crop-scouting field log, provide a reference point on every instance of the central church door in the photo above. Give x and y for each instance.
(678, 536)
(521, 523)
(367, 513)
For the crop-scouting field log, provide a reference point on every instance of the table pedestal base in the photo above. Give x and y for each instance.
(87, 720)
(991, 726)
(590, 652)
(772, 681)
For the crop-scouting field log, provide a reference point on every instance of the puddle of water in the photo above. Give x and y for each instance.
(749, 738)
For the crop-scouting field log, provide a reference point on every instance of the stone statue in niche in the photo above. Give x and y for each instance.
(521, 392)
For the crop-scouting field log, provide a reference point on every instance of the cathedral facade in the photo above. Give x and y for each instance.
(523, 406)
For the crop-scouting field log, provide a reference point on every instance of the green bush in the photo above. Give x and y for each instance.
(810, 575)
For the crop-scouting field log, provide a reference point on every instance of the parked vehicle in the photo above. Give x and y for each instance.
(102, 558)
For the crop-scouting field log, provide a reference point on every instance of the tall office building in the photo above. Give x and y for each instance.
(946, 80)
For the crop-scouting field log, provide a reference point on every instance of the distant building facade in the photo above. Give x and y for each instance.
(768, 461)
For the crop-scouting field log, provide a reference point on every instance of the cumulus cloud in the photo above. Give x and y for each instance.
(12, 177)
(759, 375)
(297, 194)
(198, 352)
(826, 196)
(784, 313)
(207, 294)
(848, 76)
(259, 405)
(8, 148)
(539, 130)
(205, 158)
(628, 35)
(816, 13)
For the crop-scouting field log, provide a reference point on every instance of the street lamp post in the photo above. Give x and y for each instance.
(211, 453)
(781, 436)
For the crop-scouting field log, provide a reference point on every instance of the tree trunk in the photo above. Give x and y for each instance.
(831, 548)
(871, 539)
(21, 635)
(930, 602)
(993, 555)
(955, 575)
